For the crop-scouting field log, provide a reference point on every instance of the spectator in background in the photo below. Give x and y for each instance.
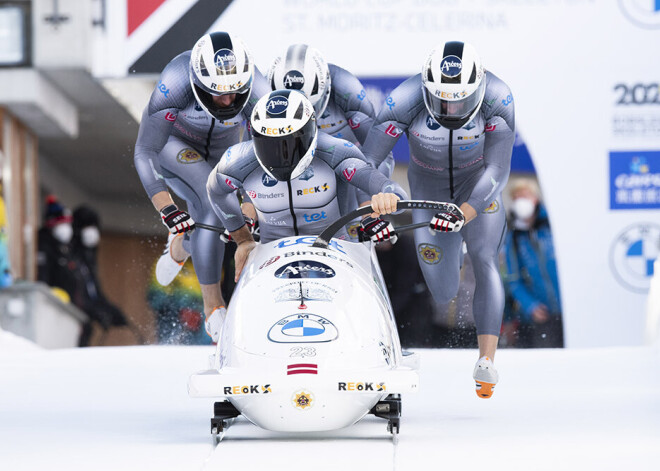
(54, 256)
(5, 271)
(531, 270)
(88, 295)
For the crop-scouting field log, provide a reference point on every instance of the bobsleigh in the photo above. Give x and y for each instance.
(310, 340)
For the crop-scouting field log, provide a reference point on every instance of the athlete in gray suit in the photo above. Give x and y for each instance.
(340, 101)
(195, 113)
(459, 120)
(296, 176)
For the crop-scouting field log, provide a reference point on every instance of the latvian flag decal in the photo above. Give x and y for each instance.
(302, 369)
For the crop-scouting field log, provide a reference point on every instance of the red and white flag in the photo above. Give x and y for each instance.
(302, 369)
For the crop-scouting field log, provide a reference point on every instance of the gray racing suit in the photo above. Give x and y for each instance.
(350, 115)
(471, 165)
(178, 145)
(303, 206)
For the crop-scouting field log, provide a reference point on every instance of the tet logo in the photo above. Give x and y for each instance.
(310, 191)
(315, 217)
(163, 89)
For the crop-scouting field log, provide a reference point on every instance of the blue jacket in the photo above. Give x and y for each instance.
(531, 268)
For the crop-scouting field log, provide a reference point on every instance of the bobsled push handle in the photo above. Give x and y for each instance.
(323, 239)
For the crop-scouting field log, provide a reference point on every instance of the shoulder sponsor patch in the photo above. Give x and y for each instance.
(393, 131)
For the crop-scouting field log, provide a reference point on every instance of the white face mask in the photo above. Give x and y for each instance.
(63, 232)
(90, 236)
(523, 208)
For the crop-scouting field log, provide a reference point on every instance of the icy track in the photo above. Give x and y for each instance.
(128, 409)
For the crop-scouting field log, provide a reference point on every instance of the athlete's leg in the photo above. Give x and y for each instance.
(484, 236)
(186, 173)
(439, 254)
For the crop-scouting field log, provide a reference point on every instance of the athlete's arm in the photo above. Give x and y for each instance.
(498, 110)
(349, 165)
(170, 95)
(351, 97)
(394, 118)
(221, 189)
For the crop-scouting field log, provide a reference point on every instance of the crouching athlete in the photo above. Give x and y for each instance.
(296, 177)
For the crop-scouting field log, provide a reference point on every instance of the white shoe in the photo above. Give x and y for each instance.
(485, 376)
(214, 323)
(167, 268)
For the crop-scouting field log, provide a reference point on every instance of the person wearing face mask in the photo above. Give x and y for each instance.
(88, 295)
(54, 258)
(531, 270)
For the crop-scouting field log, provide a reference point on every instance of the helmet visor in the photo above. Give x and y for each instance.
(453, 114)
(280, 155)
(223, 112)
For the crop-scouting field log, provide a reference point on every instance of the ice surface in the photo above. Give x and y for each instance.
(127, 408)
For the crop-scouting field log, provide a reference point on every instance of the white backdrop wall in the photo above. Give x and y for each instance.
(568, 63)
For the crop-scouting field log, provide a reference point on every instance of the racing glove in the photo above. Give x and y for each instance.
(175, 220)
(377, 230)
(449, 219)
(252, 225)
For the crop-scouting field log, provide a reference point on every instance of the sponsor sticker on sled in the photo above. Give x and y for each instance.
(303, 328)
(305, 269)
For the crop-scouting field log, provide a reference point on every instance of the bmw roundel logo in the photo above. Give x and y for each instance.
(294, 80)
(451, 66)
(277, 104)
(431, 123)
(225, 59)
(267, 180)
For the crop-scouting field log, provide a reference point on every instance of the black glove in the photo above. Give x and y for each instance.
(449, 219)
(253, 227)
(175, 220)
(377, 230)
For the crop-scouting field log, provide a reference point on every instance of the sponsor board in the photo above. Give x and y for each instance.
(635, 180)
(632, 255)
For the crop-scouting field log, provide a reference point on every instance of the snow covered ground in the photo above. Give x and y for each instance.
(127, 408)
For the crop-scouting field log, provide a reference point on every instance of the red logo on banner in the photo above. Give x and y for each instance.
(349, 172)
(230, 184)
(490, 127)
(393, 131)
(353, 124)
(170, 117)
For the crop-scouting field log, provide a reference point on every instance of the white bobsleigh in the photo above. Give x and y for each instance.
(310, 341)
